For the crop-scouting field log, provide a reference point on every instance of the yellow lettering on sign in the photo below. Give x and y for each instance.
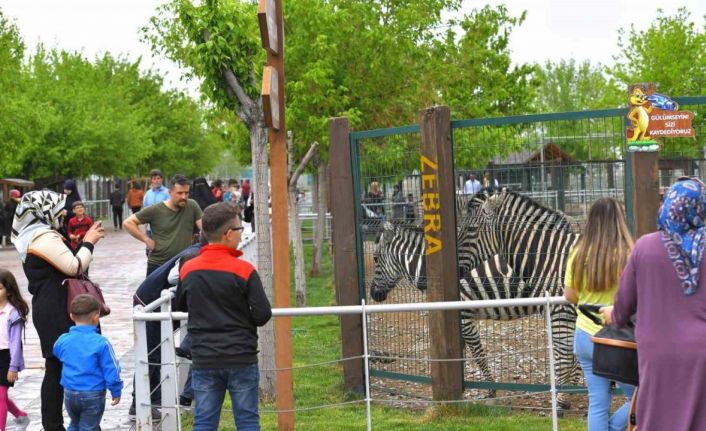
(427, 162)
(430, 201)
(428, 181)
(432, 222)
(433, 244)
(431, 204)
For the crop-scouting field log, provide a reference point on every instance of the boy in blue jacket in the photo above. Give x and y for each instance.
(90, 366)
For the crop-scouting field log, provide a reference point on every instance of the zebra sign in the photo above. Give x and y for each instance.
(431, 205)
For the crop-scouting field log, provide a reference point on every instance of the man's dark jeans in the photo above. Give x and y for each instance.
(210, 387)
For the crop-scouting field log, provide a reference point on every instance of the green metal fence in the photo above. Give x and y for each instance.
(563, 160)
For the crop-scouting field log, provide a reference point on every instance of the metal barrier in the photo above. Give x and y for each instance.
(171, 382)
(99, 209)
(309, 225)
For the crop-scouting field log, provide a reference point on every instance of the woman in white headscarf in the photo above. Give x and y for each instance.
(47, 260)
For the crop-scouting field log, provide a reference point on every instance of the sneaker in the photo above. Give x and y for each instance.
(156, 414)
(21, 423)
(184, 401)
(182, 353)
(132, 413)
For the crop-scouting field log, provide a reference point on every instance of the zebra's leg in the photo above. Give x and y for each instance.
(565, 364)
(471, 337)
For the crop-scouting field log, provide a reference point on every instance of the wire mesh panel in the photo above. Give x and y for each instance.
(561, 164)
(389, 193)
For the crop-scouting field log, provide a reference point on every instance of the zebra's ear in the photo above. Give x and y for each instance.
(388, 227)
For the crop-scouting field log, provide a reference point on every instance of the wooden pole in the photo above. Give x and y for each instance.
(645, 191)
(439, 205)
(280, 239)
(345, 267)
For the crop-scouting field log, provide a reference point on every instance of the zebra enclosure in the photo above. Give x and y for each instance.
(542, 172)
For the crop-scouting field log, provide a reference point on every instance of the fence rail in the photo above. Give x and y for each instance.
(172, 381)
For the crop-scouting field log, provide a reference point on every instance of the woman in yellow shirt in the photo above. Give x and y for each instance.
(592, 274)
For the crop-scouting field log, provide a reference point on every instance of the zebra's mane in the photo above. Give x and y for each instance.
(557, 220)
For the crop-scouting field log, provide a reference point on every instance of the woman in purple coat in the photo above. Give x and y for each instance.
(662, 283)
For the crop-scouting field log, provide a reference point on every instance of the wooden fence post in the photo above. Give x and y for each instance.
(439, 206)
(645, 191)
(344, 250)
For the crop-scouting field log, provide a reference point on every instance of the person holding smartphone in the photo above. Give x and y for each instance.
(47, 259)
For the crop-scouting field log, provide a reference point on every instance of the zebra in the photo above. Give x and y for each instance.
(535, 241)
(399, 254)
(491, 239)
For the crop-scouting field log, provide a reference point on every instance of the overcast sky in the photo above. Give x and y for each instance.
(553, 30)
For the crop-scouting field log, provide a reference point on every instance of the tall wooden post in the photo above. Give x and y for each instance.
(345, 267)
(645, 191)
(272, 32)
(438, 201)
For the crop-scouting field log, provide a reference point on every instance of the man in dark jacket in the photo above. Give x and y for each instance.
(149, 291)
(226, 303)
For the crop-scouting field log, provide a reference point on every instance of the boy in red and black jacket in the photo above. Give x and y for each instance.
(226, 303)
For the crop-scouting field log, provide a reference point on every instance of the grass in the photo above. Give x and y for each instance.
(317, 339)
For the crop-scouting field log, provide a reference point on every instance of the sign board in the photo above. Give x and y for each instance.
(267, 18)
(270, 97)
(652, 116)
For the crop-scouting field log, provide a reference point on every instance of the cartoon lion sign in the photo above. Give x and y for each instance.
(653, 115)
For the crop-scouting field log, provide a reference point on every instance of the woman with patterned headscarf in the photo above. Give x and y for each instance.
(47, 260)
(663, 285)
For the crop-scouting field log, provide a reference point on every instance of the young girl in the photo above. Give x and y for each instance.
(13, 312)
(592, 274)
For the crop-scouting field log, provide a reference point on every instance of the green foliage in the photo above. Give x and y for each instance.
(672, 53)
(567, 86)
(472, 69)
(65, 115)
(207, 39)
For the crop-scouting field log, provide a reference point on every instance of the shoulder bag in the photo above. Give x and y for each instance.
(82, 285)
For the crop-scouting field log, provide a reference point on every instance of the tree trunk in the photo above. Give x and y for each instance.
(321, 190)
(295, 237)
(316, 252)
(295, 232)
(266, 342)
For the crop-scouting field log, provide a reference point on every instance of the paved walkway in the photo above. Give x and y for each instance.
(118, 266)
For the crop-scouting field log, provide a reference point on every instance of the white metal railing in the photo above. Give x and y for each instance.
(171, 382)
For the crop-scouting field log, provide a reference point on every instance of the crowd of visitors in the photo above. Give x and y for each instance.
(655, 282)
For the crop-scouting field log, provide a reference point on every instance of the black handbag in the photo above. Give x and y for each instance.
(614, 349)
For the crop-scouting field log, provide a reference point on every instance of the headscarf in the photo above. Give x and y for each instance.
(37, 211)
(201, 193)
(681, 220)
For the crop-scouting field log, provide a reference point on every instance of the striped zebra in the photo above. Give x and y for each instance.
(509, 246)
(535, 241)
(399, 254)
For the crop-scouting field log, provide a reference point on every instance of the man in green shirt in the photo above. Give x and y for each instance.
(172, 223)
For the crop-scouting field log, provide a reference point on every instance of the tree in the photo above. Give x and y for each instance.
(23, 121)
(672, 53)
(218, 42)
(567, 86)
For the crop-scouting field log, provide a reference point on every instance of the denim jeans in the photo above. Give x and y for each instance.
(85, 409)
(599, 393)
(210, 387)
